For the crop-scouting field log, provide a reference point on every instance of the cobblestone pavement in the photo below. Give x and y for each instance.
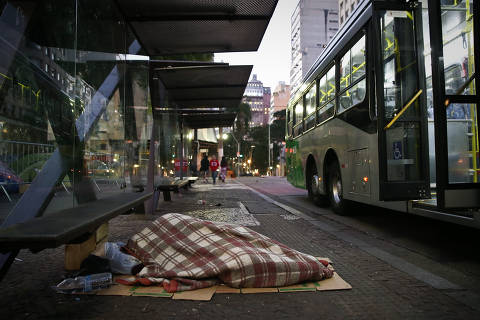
(380, 291)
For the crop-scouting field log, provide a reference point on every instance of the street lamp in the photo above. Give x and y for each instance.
(238, 154)
(251, 158)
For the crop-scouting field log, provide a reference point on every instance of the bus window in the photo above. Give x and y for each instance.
(352, 76)
(400, 69)
(345, 71)
(298, 118)
(331, 83)
(326, 105)
(310, 106)
(458, 47)
(358, 60)
(323, 90)
(289, 122)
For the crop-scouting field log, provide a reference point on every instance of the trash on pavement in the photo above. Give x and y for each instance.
(85, 284)
(119, 262)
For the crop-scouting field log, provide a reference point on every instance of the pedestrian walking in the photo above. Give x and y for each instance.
(213, 167)
(193, 168)
(223, 169)
(204, 164)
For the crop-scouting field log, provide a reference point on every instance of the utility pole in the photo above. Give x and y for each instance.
(269, 158)
(238, 154)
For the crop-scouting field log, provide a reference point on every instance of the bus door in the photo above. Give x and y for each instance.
(455, 74)
(401, 99)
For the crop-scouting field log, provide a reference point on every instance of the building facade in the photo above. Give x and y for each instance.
(258, 98)
(313, 24)
(279, 99)
(345, 8)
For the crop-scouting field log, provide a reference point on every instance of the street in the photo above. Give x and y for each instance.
(400, 267)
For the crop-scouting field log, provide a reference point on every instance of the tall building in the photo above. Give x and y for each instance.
(346, 8)
(280, 97)
(258, 98)
(314, 23)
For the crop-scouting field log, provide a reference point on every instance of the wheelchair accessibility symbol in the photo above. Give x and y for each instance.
(397, 150)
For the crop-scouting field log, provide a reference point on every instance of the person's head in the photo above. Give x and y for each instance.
(223, 158)
(213, 157)
(205, 155)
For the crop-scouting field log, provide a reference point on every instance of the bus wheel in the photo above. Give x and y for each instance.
(312, 187)
(335, 190)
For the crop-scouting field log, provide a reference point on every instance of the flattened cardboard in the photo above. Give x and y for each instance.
(116, 290)
(226, 289)
(334, 283)
(301, 287)
(259, 290)
(152, 291)
(204, 294)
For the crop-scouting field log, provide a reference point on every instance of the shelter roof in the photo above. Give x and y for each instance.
(205, 96)
(198, 26)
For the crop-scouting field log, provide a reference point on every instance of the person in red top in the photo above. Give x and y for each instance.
(213, 167)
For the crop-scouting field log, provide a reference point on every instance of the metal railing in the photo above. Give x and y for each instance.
(24, 159)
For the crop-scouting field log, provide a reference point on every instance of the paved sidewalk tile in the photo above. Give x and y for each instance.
(379, 290)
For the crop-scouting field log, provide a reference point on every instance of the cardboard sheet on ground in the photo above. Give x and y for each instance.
(204, 294)
(152, 291)
(334, 283)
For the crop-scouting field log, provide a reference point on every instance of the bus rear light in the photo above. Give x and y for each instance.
(365, 179)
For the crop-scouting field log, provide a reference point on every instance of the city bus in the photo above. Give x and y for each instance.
(387, 115)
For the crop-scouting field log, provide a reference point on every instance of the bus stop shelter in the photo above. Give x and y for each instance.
(87, 81)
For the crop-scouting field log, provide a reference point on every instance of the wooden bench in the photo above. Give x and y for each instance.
(167, 187)
(191, 180)
(69, 225)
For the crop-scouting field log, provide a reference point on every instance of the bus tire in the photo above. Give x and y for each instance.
(318, 199)
(335, 190)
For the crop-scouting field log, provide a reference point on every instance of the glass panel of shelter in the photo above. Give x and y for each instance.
(37, 94)
(65, 85)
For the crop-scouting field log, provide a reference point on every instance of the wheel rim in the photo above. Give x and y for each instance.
(337, 189)
(314, 184)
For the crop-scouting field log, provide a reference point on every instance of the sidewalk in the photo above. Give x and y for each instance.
(379, 290)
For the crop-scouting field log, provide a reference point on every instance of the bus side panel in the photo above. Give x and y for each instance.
(294, 164)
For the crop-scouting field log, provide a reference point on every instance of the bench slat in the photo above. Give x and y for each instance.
(64, 226)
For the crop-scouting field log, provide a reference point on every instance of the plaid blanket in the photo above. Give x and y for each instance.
(184, 253)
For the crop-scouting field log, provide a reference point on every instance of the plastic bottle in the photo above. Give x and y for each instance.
(85, 284)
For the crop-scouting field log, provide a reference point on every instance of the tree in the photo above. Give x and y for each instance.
(277, 134)
(259, 137)
(244, 116)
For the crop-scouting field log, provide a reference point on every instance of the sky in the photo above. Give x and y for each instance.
(271, 63)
